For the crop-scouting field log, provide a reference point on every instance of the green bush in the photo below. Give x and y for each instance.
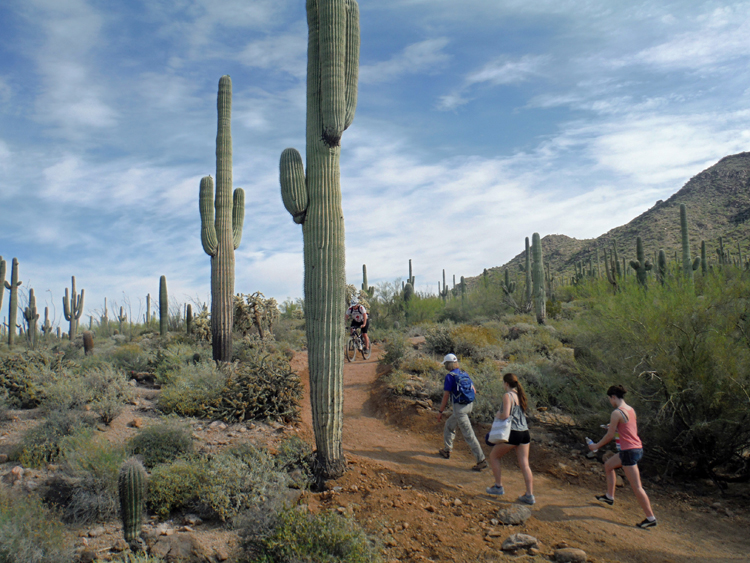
(23, 375)
(530, 346)
(238, 479)
(395, 349)
(466, 341)
(192, 389)
(294, 453)
(69, 391)
(30, 532)
(297, 536)
(174, 486)
(45, 442)
(162, 443)
(131, 358)
(170, 360)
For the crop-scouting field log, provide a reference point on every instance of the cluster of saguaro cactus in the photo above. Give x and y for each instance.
(12, 300)
(131, 485)
(640, 264)
(163, 306)
(366, 288)
(31, 316)
(537, 267)
(221, 228)
(314, 200)
(507, 285)
(73, 308)
(443, 290)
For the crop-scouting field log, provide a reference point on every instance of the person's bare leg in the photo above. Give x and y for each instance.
(609, 469)
(498, 451)
(522, 454)
(634, 477)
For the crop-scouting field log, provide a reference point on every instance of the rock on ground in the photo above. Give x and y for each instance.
(513, 515)
(570, 555)
(519, 541)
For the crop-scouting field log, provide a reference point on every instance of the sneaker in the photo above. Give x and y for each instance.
(646, 524)
(445, 453)
(605, 498)
(479, 466)
(527, 499)
(495, 490)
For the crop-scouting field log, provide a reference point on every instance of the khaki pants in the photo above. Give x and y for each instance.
(460, 418)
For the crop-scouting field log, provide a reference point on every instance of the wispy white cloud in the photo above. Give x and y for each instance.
(425, 56)
(285, 52)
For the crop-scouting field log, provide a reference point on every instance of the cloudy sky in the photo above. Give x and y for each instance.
(479, 122)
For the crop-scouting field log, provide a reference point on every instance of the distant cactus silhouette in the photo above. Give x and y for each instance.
(540, 297)
(641, 265)
(688, 264)
(163, 306)
(31, 317)
(73, 308)
(12, 301)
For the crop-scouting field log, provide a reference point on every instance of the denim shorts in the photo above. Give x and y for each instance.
(631, 457)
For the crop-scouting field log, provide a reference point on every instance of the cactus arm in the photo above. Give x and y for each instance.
(238, 216)
(3, 284)
(293, 188)
(66, 305)
(332, 54)
(79, 307)
(206, 204)
(351, 63)
(696, 263)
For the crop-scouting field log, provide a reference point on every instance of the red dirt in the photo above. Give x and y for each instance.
(429, 508)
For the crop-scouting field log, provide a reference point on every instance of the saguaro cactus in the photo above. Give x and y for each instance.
(148, 308)
(507, 285)
(704, 261)
(163, 306)
(412, 280)
(527, 271)
(540, 297)
(314, 200)
(12, 300)
(189, 319)
(221, 228)
(122, 318)
(131, 485)
(661, 266)
(688, 264)
(641, 265)
(31, 317)
(72, 308)
(47, 326)
(367, 289)
(3, 265)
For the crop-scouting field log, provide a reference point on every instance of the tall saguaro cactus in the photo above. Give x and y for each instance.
(411, 278)
(537, 271)
(3, 265)
(527, 271)
(12, 300)
(313, 198)
(31, 316)
(163, 306)
(367, 289)
(640, 265)
(73, 308)
(222, 218)
(688, 264)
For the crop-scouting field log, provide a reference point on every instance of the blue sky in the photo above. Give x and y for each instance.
(479, 122)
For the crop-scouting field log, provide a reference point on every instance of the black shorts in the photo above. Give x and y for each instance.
(519, 437)
(363, 329)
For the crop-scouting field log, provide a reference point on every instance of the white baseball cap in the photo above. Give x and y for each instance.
(450, 358)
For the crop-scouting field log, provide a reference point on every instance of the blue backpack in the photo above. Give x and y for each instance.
(465, 393)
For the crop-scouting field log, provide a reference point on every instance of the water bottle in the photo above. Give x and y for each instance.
(589, 441)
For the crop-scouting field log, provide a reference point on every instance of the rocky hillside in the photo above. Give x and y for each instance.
(718, 203)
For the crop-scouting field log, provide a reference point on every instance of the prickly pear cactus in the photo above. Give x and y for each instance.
(540, 297)
(73, 308)
(314, 201)
(31, 316)
(12, 301)
(221, 228)
(163, 306)
(688, 264)
(641, 265)
(131, 485)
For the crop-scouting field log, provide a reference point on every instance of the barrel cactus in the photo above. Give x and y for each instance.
(73, 308)
(688, 264)
(163, 306)
(537, 268)
(641, 265)
(222, 219)
(314, 201)
(12, 300)
(131, 485)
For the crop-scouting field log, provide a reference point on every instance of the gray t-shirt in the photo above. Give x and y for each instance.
(517, 416)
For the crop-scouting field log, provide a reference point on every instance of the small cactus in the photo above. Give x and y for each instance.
(508, 286)
(163, 306)
(73, 308)
(131, 485)
(31, 317)
(88, 342)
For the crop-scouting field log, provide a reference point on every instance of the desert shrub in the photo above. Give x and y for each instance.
(109, 392)
(299, 536)
(532, 345)
(69, 391)
(131, 358)
(395, 349)
(292, 332)
(263, 386)
(294, 453)
(129, 557)
(4, 404)
(424, 309)
(422, 366)
(488, 382)
(23, 375)
(466, 341)
(192, 388)
(238, 479)
(45, 442)
(31, 532)
(91, 466)
(174, 486)
(162, 442)
(170, 360)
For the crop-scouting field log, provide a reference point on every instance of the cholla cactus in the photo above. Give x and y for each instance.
(202, 326)
(255, 311)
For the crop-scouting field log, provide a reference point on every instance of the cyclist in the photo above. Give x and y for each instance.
(360, 319)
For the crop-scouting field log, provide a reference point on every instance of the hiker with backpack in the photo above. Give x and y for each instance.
(459, 389)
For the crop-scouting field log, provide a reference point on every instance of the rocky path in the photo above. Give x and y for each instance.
(565, 513)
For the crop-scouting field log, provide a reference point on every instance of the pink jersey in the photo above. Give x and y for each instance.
(628, 431)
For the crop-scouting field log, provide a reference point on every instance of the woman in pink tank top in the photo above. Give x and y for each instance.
(623, 420)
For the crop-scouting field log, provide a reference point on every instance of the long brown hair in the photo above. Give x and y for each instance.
(512, 380)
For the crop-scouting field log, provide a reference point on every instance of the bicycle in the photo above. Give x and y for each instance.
(355, 343)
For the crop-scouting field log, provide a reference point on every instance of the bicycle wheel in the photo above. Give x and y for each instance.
(366, 352)
(351, 350)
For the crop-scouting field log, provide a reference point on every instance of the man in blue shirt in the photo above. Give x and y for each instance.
(456, 388)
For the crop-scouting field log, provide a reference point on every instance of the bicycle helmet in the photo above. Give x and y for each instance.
(353, 303)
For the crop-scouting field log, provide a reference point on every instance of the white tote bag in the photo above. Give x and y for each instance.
(500, 431)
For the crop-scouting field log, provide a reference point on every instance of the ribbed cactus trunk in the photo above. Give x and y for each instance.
(163, 306)
(12, 301)
(704, 261)
(527, 271)
(314, 200)
(189, 319)
(131, 485)
(411, 278)
(688, 264)
(31, 316)
(73, 308)
(148, 308)
(221, 228)
(3, 266)
(641, 265)
(537, 274)
(122, 318)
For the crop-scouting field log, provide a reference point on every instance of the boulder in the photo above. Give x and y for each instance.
(519, 541)
(513, 515)
(570, 555)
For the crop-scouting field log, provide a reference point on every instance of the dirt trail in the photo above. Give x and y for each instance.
(404, 446)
